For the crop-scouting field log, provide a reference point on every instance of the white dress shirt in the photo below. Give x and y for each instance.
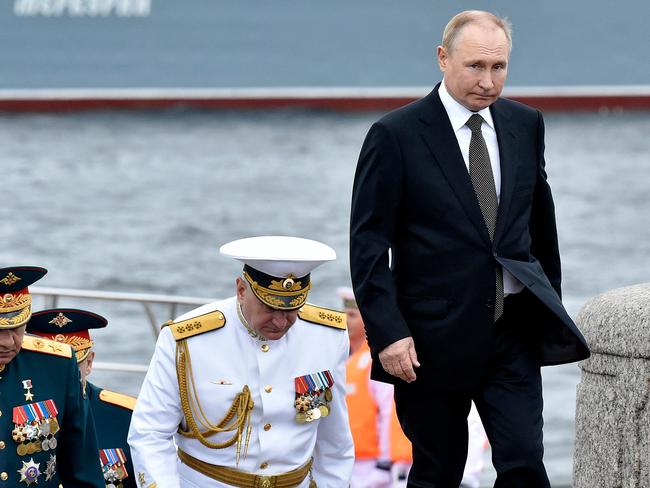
(458, 116)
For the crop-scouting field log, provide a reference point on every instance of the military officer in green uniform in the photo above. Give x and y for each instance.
(111, 410)
(47, 434)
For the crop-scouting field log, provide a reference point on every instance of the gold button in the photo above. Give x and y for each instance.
(264, 465)
(2, 445)
(267, 426)
(265, 348)
(4, 476)
(268, 388)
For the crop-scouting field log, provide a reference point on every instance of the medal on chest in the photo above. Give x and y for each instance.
(113, 466)
(30, 472)
(35, 425)
(50, 468)
(313, 394)
(27, 385)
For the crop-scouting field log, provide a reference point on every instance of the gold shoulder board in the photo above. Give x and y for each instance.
(197, 325)
(118, 399)
(323, 316)
(46, 346)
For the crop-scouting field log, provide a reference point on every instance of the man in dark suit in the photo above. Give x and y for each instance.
(455, 263)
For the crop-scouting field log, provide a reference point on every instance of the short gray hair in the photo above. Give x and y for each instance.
(456, 24)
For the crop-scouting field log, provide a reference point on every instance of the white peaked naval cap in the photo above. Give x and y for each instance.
(279, 256)
(277, 267)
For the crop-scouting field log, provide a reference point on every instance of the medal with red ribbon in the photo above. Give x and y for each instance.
(35, 426)
(113, 466)
(313, 394)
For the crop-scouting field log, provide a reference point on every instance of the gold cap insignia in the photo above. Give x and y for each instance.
(10, 279)
(282, 293)
(11, 303)
(60, 320)
(288, 284)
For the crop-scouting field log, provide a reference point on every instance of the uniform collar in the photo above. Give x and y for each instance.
(458, 114)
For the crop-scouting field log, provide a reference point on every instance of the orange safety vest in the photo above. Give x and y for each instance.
(362, 409)
(363, 412)
(400, 446)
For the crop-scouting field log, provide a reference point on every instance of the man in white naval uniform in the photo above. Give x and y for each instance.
(249, 391)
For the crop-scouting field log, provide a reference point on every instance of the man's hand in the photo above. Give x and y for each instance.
(400, 358)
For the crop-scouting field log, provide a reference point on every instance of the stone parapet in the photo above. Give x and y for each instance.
(612, 444)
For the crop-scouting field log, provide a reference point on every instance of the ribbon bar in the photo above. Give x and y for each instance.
(314, 382)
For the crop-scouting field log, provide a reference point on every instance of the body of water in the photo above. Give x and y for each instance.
(141, 201)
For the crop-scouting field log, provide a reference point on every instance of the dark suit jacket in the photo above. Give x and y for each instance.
(413, 195)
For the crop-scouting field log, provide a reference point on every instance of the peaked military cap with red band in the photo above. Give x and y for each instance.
(15, 300)
(67, 325)
(277, 268)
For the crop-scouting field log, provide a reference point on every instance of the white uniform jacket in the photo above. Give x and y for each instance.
(223, 361)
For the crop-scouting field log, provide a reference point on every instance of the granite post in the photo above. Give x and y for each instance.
(612, 444)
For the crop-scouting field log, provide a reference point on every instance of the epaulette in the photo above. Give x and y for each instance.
(46, 346)
(197, 325)
(119, 399)
(323, 316)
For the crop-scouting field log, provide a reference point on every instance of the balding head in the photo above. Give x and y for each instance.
(458, 22)
(475, 58)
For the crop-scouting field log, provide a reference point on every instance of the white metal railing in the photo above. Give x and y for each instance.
(147, 300)
(121, 367)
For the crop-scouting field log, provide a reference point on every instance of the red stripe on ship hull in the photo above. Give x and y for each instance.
(343, 104)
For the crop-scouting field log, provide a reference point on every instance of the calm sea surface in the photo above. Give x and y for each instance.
(141, 201)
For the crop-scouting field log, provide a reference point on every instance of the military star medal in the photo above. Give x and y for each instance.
(27, 385)
(29, 473)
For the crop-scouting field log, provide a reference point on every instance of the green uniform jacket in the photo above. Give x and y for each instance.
(46, 370)
(112, 413)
